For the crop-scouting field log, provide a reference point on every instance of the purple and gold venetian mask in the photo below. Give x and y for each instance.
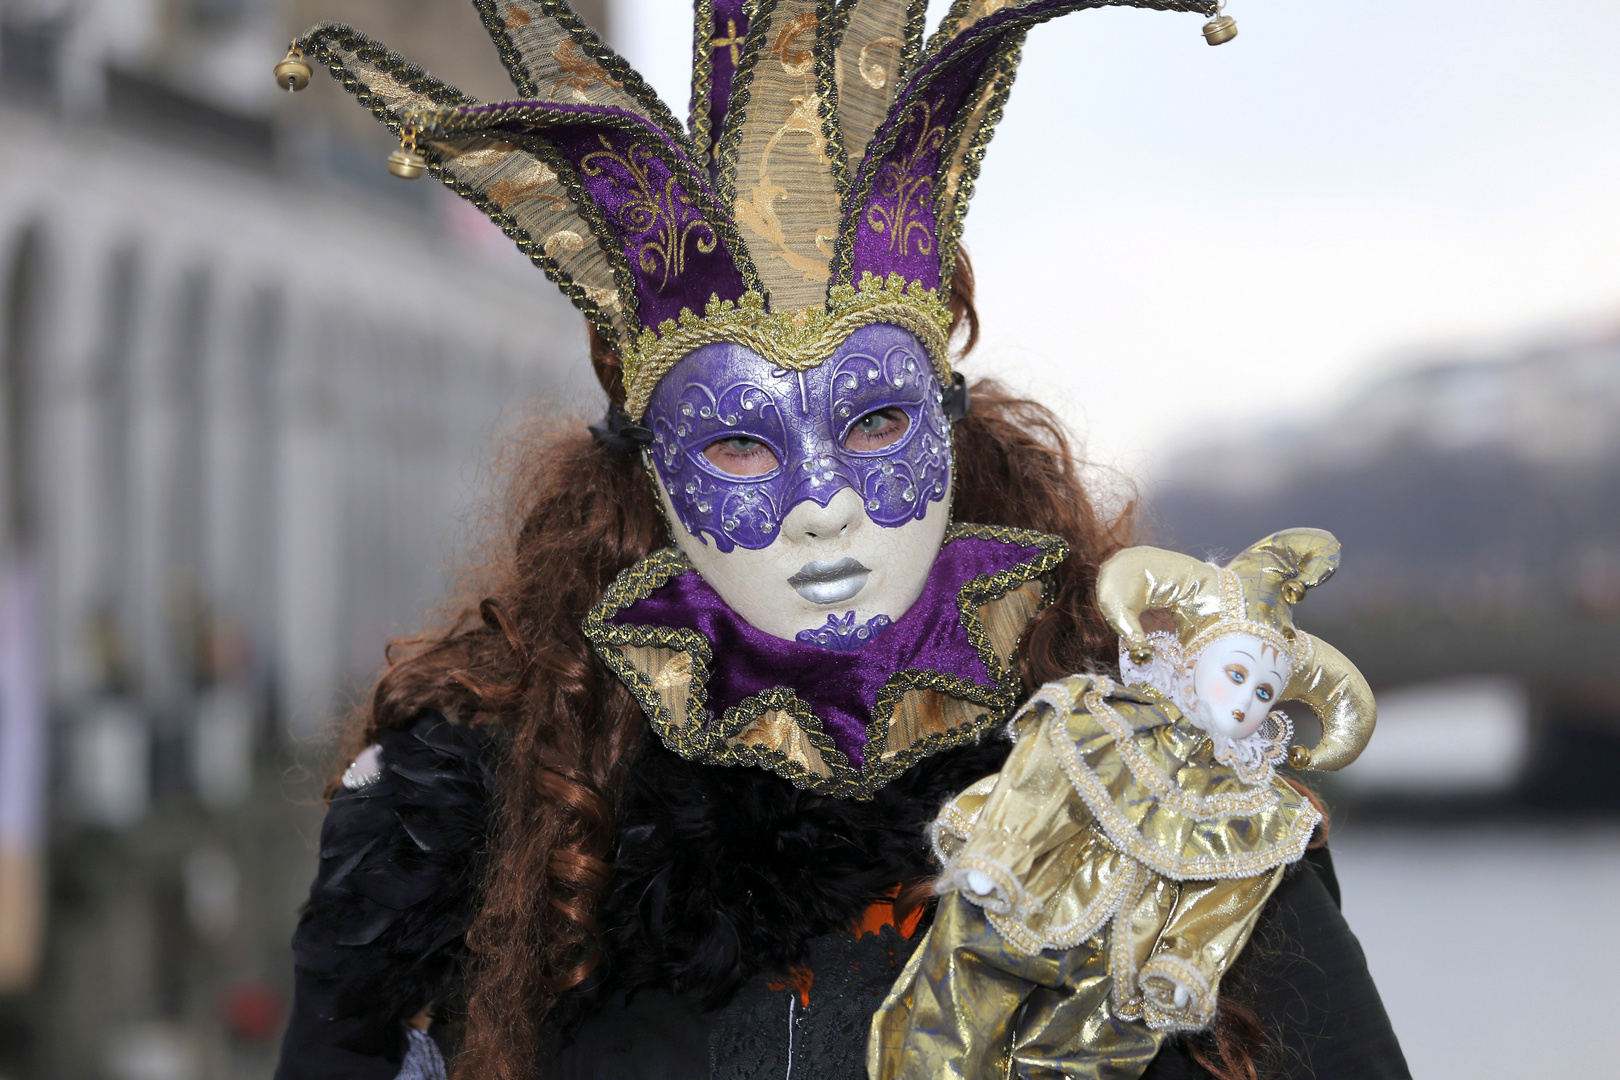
(834, 199)
(814, 501)
(870, 419)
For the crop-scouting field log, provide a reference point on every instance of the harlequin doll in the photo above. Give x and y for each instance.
(656, 802)
(1099, 886)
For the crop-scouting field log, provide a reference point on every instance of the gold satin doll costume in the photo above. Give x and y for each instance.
(1127, 865)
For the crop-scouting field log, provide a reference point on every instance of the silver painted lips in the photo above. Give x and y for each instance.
(829, 583)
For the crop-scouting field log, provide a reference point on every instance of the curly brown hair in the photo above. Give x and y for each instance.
(512, 658)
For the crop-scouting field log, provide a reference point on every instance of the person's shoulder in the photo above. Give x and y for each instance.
(1306, 976)
(383, 932)
(430, 750)
(400, 843)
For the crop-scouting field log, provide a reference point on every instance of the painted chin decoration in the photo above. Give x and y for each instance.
(814, 502)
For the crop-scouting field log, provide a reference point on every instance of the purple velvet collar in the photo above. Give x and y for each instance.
(717, 689)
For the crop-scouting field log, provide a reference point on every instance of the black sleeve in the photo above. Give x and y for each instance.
(383, 933)
(1305, 976)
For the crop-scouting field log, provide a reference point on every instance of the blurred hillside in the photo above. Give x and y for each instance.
(1478, 501)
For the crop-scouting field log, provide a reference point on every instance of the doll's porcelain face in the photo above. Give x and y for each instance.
(1237, 680)
(804, 495)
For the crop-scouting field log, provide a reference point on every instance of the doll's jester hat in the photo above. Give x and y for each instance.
(820, 184)
(1255, 593)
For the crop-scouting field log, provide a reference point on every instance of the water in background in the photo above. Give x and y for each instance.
(1492, 943)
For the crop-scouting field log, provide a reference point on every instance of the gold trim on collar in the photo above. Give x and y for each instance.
(918, 712)
(1184, 819)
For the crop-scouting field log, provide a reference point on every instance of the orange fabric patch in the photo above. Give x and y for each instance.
(877, 916)
(881, 914)
(799, 979)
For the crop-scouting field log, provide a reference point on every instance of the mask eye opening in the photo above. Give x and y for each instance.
(906, 411)
(738, 455)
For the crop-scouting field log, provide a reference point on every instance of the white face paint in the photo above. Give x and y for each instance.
(827, 561)
(1237, 680)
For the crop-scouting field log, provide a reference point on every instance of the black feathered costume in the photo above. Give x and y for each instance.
(725, 881)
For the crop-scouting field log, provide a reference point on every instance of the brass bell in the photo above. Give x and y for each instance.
(1141, 654)
(1299, 757)
(1293, 590)
(1220, 30)
(292, 73)
(406, 164)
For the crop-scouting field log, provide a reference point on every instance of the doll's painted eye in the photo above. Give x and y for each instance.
(1237, 674)
(1264, 693)
(740, 456)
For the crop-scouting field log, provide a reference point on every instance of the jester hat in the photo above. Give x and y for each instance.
(819, 186)
(1253, 594)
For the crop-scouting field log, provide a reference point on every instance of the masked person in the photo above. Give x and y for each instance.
(656, 803)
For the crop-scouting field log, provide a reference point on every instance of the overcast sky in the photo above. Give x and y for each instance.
(1173, 238)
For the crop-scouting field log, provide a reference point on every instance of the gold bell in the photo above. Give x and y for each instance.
(292, 73)
(1220, 30)
(1293, 590)
(405, 162)
(1299, 757)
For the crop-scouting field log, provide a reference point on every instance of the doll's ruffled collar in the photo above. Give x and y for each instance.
(1166, 680)
(1152, 781)
(1253, 760)
(843, 722)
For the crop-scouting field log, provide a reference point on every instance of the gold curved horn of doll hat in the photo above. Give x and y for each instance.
(1276, 571)
(1140, 579)
(1339, 695)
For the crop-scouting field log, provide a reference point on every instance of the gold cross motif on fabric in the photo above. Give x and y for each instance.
(731, 39)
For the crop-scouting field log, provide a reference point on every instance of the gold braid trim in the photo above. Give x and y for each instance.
(1182, 847)
(693, 732)
(1235, 620)
(792, 340)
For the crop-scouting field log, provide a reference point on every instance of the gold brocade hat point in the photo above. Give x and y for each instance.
(818, 184)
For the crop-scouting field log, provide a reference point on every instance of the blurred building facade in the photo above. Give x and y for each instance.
(249, 382)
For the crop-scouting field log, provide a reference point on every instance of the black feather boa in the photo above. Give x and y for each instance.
(383, 934)
(719, 875)
(725, 873)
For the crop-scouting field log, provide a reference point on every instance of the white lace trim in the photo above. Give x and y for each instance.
(1157, 984)
(1254, 758)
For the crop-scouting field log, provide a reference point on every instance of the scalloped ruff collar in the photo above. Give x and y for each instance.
(1151, 780)
(845, 723)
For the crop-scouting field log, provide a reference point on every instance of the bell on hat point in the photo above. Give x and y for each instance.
(292, 73)
(406, 164)
(1220, 30)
